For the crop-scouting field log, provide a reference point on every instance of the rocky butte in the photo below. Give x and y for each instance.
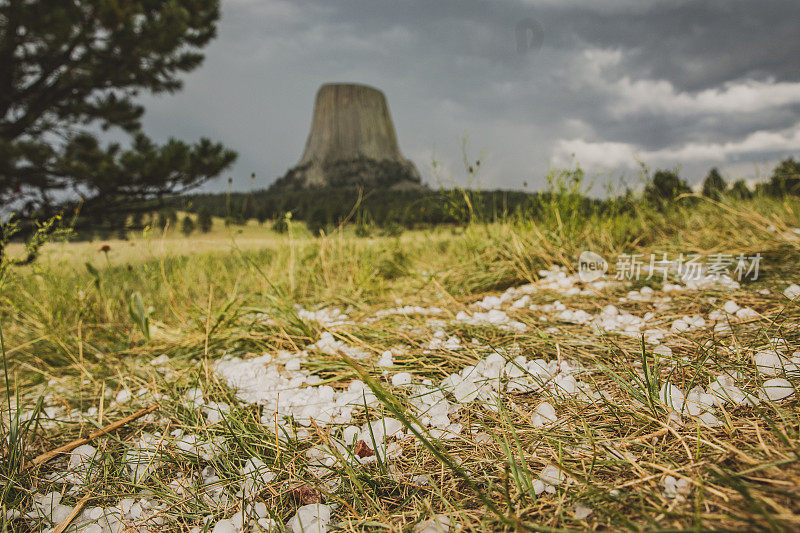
(352, 143)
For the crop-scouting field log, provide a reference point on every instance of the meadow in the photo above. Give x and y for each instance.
(460, 377)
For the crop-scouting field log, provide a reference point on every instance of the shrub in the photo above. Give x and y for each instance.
(281, 224)
(786, 178)
(187, 225)
(740, 190)
(392, 264)
(317, 221)
(714, 185)
(204, 220)
(665, 185)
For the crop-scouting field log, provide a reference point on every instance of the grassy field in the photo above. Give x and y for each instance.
(438, 380)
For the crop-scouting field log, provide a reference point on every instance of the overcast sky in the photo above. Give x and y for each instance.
(691, 84)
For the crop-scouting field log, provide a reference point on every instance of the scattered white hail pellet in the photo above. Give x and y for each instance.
(698, 401)
(549, 308)
(313, 518)
(450, 432)
(709, 419)
(731, 307)
(663, 350)
(438, 524)
(494, 317)
(264, 381)
(441, 341)
(482, 438)
(349, 435)
(49, 507)
(225, 526)
(141, 460)
(582, 511)
(725, 390)
(255, 476)
(549, 477)
(642, 295)
(731, 311)
(776, 389)
(215, 412)
(772, 363)
(375, 435)
(193, 398)
(696, 283)
(81, 457)
(329, 345)
(574, 317)
(328, 317)
(523, 302)
(612, 320)
(688, 323)
(672, 397)
(513, 296)
(123, 396)
(160, 360)
(745, 313)
(401, 379)
(545, 414)
(490, 302)
(431, 406)
(792, 291)
(556, 279)
(421, 480)
(193, 444)
(215, 494)
(386, 359)
(675, 488)
(408, 310)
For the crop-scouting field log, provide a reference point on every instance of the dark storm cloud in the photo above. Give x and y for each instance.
(698, 45)
(664, 79)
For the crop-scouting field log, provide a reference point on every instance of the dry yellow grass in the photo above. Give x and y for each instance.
(73, 337)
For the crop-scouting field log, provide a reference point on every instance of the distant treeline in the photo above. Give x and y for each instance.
(393, 210)
(324, 208)
(381, 207)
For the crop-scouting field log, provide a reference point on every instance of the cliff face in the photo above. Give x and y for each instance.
(352, 143)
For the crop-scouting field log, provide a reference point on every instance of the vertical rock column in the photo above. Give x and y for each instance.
(352, 142)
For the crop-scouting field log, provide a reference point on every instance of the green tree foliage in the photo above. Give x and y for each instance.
(43, 232)
(137, 219)
(740, 190)
(318, 220)
(400, 209)
(166, 217)
(714, 185)
(73, 67)
(281, 224)
(204, 220)
(187, 225)
(665, 185)
(786, 178)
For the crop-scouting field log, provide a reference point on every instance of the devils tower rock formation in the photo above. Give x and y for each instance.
(352, 143)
